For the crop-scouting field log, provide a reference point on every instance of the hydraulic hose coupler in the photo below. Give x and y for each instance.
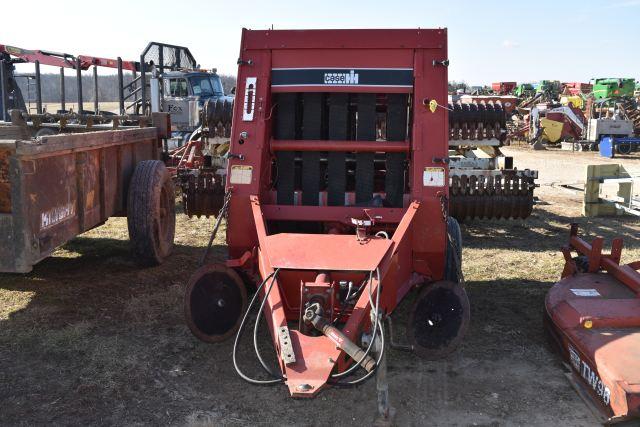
(341, 340)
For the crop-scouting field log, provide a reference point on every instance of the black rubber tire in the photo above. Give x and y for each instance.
(624, 149)
(214, 302)
(438, 320)
(151, 215)
(227, 111)
(219, 111)
(451, 267)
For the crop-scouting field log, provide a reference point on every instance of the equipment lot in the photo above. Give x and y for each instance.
(89, 338)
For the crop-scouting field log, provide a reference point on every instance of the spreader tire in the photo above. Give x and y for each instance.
(439, 319)
(215, 300)
(151, 215)
(454, 247)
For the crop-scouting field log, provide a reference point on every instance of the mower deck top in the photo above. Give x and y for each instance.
(325, 251)
(597, 320)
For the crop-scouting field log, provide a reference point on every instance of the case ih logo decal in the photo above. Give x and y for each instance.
(590, 376)
(368, 77)
(341, 78)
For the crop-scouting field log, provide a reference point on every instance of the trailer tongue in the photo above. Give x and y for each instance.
(337, 203)
(593, 314)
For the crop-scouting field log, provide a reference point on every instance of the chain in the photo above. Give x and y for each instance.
(444, 203)
(222, 214)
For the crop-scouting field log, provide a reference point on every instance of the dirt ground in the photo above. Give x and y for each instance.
(88, 338)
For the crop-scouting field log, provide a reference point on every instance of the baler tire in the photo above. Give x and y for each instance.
(438, 319)
(151, 215)
(215, 300)
(451, 267)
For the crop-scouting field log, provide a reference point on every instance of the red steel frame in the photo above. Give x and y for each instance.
(64, 59)
(415, 253)
(627, 274)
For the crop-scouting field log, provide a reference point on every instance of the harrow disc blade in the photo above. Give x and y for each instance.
(501, 197)
(214, 302)
(439, 319)
(202, 195)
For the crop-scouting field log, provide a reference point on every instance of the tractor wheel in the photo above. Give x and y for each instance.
(219, 111)
(45, 132)
(624, 148)
(454, 247)
(227, 111)
(214, 302)
(151, 214)
(439, 319)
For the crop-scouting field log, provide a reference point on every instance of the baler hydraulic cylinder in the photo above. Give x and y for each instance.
(341, 340)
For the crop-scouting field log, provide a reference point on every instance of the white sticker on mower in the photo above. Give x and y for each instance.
(433, 177)
(589, 375)
(56, 215)
(241, 174)
(585, 292)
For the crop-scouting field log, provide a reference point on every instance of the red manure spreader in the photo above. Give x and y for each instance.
(336, 204)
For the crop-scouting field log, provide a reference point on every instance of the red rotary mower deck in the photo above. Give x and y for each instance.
(338, 201)
(593, 314)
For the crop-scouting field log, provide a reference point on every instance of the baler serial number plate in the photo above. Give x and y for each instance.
(433, 177)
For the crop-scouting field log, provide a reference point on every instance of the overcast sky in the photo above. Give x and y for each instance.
(488, 40)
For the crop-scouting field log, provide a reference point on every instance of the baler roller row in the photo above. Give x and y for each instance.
(491, 197)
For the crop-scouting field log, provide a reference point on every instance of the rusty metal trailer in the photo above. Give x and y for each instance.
(56, 187)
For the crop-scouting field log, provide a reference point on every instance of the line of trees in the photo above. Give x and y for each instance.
(107, 87)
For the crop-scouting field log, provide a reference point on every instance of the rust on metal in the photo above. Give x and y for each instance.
(60, 186)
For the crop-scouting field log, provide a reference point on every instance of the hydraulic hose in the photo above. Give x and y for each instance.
(375, 326)
(255, 328)
(240, 329)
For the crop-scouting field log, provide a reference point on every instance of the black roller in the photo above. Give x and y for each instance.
(311, 129)
(396, 131)
(366, 131)
(285, 128)
(338, 127)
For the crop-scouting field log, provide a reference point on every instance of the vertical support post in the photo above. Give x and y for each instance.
(143, 85)
(79, 83)
(38, 89)
(161, 59)
(96, 104)
(120, 87)
(385, 413)
(63, 104)
(3, 90)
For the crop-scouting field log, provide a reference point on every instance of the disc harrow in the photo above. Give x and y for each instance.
(476, 121)
(504, 196)
(202, 193)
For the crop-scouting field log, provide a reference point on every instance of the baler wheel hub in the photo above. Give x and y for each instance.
(215, 300)
(438, 320)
